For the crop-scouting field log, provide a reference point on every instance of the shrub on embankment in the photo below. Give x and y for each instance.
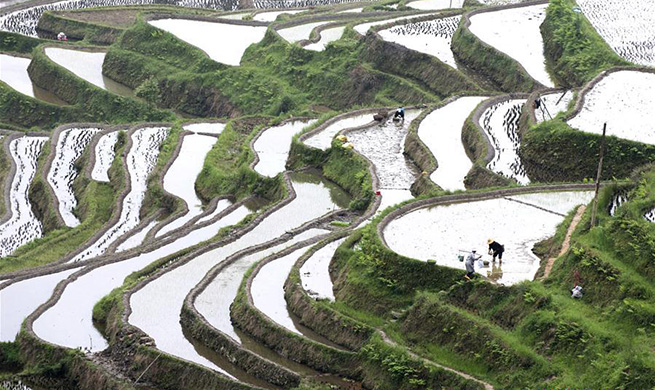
(41, 196)
(24, 112)
(12, 42)
(574, 51)
(50, 24)
(547, 150)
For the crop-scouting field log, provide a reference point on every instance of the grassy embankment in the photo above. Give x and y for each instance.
(96, 205)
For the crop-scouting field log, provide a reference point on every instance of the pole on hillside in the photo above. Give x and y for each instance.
(600, 168)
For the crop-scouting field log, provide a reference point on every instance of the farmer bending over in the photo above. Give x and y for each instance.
(469, 263)
(496, 249)
(400, 113)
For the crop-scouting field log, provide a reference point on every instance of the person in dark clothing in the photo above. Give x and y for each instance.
(470, 264)
(496, 250)
(400, 113)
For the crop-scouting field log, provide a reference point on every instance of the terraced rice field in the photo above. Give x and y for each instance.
(515, 32)
(271, 16)
(70, 146)
(438, 232)
(435, 5)
(327, 36)
(13, 71)
(315, 273)
(552, 104)
(626, 101)
(363, 28)
(104, 156)
(629, 29)
(323, 139)
(22, 225)
(300, 32)
(500, 123)
(273, 145)
(431, 37)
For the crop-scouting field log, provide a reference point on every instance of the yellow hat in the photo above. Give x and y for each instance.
(489, 241)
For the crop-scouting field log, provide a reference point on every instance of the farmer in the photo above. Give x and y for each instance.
(496, 249)
(400, 113)
(61, 36)
(469, 263)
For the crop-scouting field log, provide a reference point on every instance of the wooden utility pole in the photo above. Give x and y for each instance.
(600, 168)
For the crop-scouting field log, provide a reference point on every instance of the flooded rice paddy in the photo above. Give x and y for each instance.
(104, 155)
(626, 101)
(13, 71)
(272, 15)
(298, 33)
(431, 37)
(220, 206)
(203, 35)
(315, 272)
(327, 36)
(434, 5)
(156, 307)
(22, 227)
(70, 146)
(552, 104)
(500, 123)
(69, 322)
(141, 159)
(87, 66)
(515, 32)
(273, 145)
(137, 238)
(323, 139)
(441, 232)
(441, 131)
(206, 128)
(181, 177)
(364, 27)
(20, 299)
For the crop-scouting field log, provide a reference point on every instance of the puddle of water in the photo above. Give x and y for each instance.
(23, 226)
(434, 5)
(181, 177)
(516, 33)
(298, 33)
(323, 140)
(13, 71)
(327, 36)
(441, 131)
(88, 66)
(624, 100)
(384, 144)
(315, 273)
(156, 307)
(501, 124)
(364, 27)
(209, 128)
(69, 322)
(431, 37)
(70, 146)
(140, 161)
(21, 299)
(552, 104)
(137, 238)
(104, 156)
(273, 146)
(214, 302)
(441, 232)
(271, 16)
(203, 35)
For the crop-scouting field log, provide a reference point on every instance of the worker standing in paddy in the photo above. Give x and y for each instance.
(470, 264)
(496, 249)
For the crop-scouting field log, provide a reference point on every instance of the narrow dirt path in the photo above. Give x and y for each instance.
(567, 240)
(389, 341)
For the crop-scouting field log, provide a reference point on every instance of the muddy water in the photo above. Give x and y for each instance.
(431, 37)
(384, 144)
(20, 299)
(22, 227)
(501, 124)
(88, 66)
(181, 177)
(70, 146)
(214, 303)
(209, 128)
(298, 33)
(140, 161)
(441, 131)
(440, 232)
(327, 36)
(203, 35)
(552, 104)
(271, 16)
(315, 273)
(13, 71)
(516, 33)
(104, 156)
(69, 322)
(434, 5)
(137, 238)
(273, 146)
(323, 139)
(156, 307)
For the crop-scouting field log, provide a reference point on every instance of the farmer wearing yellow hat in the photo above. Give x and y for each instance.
(496, 249)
